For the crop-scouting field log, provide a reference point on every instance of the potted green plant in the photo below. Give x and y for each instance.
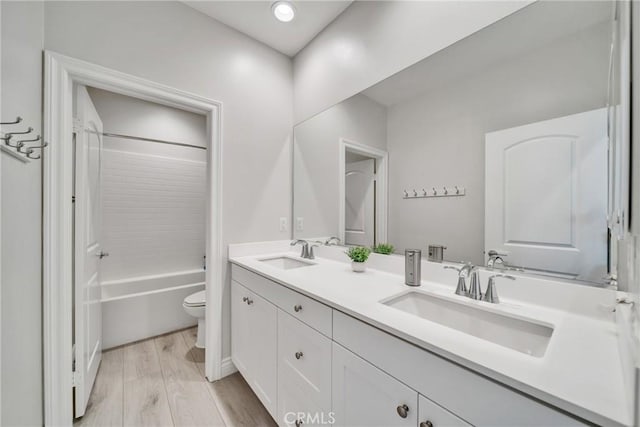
(383, 248)
(359, 256)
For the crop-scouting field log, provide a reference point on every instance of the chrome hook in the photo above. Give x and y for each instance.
(15, 122)
(435, 192)
(30, 150)
(20, 144)
(457, 189)
(7, 136)
(445, 190)
(405, 193)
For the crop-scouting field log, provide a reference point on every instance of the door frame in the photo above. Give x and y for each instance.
(60, 73)
(382, 179)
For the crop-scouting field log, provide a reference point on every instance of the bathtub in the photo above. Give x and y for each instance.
(142, 307)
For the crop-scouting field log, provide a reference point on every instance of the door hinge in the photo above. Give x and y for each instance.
(73, 199)
(77, 125)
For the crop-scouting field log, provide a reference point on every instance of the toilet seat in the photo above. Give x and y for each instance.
(195, 300)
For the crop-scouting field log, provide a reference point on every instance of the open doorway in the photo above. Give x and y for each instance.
(74, 171)
(363, 194)
(139, 228)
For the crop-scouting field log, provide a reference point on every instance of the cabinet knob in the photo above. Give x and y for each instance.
(249, 301)
(426, 424)
(403, 410)
(245, 299)
(299, 354)
(297, 308)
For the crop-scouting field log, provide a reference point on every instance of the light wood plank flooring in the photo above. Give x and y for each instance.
(160, 382)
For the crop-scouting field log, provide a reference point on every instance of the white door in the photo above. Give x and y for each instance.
(546, 195)
(87, 250)
(360, 203)
(363, 395)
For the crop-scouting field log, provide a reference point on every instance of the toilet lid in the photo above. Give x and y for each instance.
(195, 300)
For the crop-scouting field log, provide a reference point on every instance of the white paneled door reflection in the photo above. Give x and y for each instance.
(360, 202)
(546, 195)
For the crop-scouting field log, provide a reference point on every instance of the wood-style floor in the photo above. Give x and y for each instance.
(160, 382)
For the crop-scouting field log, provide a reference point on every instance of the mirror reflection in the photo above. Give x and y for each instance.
(492, 151)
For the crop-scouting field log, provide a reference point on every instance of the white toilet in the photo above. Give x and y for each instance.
(194, 305)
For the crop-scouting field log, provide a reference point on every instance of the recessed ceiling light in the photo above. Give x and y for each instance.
(283, 11)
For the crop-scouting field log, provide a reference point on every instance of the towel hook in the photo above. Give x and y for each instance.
(15, 122)
(7, 136)
(30, 150)
(20, 144)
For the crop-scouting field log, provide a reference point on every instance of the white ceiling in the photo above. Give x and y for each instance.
(254, 18)
(534, 26)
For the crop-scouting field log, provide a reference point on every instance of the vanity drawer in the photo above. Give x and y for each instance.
(311, 312)
(304, 370)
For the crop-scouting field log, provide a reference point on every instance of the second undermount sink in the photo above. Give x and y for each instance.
(286, 263)
(526, 336)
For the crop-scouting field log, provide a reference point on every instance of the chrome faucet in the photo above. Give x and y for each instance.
(307, 249)
(463, 274)
(332, 240)
(475, 287)
(495, 258)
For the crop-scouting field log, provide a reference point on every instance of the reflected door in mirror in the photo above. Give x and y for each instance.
(546, 195)
(360, 202)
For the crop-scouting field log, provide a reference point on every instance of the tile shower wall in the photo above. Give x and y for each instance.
(153, 214)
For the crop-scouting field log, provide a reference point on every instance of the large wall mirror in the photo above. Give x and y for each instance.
(495, 145)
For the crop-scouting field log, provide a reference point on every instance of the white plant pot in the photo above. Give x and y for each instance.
(358, 267)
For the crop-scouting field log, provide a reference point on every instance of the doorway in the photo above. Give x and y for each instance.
(363, 194)
(62, 74)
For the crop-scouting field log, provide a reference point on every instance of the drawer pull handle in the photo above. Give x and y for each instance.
(297, 308)
(249, 301)
(426, 424)
(299, 354)
(298, 423)
(403, 411)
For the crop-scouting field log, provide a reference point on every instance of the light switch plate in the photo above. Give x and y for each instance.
(283, 223)
(299, 223)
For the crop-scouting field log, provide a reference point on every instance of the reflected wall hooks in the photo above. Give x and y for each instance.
(426, 192)
(22, 149)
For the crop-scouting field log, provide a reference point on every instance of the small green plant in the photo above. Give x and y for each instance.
(383, 248)
(358, 253)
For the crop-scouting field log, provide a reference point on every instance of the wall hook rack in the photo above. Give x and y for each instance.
(445, 191)
(19, 150)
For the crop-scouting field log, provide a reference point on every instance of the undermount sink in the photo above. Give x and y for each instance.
(526, 336)
(286, 263)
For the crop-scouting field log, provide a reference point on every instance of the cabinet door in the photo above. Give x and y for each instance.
(433, 415)
(304, 373)
(363, 395)
(254, 343)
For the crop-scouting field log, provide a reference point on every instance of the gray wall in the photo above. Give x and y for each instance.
(21, 377)
(172, 44)
(372, 40)
(438, 138)
(316, 149)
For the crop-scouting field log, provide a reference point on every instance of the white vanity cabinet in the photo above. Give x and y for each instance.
(254, 343)
(363, 395)
(306, 361)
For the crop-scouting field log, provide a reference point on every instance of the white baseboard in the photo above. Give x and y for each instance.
(228, 367)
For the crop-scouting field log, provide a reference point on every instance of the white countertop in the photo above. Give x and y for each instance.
(581, 371)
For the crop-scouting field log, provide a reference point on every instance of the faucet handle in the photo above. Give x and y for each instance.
(491, 295)
(475, 288)
(461, 288)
